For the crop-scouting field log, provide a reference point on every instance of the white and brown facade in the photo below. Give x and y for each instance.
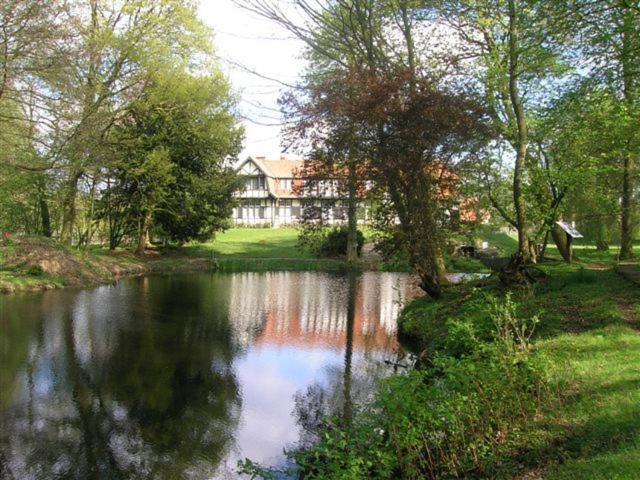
(274, 194)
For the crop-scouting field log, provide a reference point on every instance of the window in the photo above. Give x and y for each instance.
(256, 183)
(285, 184)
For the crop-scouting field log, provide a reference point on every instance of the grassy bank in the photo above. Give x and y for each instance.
(242, 249)
(33, 263)
(30, 263)
(588, 334)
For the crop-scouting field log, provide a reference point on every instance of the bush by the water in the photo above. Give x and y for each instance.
(329, 242)
(465, 415)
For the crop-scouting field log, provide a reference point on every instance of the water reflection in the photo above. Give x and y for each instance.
(179, 377)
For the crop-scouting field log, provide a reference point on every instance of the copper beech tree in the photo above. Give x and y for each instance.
(412, 134)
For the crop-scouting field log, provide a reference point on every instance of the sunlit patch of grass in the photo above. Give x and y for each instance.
(505, 243)
(597, 431)
(251, 243)
(12, 281)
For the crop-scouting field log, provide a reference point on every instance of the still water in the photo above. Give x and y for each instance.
(181, 376)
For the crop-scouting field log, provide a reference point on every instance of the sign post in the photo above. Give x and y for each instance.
(570, 233)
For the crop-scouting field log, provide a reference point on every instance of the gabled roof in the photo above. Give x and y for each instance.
(281, 168)
(275, 170)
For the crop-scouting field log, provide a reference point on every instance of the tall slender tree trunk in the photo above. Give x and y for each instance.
(602, 235)
(352, 219)
(45, 215)
(522, 134)
(626, 220)
(626, 200)
(69, 209)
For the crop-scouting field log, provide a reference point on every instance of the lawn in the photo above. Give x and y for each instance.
(251, 243)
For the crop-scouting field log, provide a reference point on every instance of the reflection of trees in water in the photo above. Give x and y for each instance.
(347, 386)
(160, 402)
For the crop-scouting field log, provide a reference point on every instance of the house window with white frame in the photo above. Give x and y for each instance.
(285, 184)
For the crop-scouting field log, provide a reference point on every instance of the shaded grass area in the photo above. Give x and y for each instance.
(584, 250)
(588, 333)
(11, 281)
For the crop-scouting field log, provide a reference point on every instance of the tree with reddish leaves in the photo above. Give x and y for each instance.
(412, 134)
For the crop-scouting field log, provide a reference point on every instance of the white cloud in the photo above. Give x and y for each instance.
(245, 43)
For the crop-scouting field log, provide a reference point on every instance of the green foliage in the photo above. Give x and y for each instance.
(35, 271)
(171, 150)
(328, 242)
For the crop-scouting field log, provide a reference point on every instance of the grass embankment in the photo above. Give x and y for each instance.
(32, 263)
(589, 335)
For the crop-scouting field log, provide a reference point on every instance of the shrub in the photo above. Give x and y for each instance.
(334, 242)
(35, 271)
(328, 242)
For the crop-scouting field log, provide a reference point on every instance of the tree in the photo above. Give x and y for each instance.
(346, 35)
(607, 34)
(369, 98)
(172, 147)
(503, 47)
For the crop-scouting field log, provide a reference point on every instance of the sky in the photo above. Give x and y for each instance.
(247, 43)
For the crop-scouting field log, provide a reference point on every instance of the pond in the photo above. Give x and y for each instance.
(180, 376)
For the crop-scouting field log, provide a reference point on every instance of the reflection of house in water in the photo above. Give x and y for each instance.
(298, 308)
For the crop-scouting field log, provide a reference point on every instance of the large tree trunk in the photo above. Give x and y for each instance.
(524, 251)
(143, 234)
(352, 220)
(560, 239)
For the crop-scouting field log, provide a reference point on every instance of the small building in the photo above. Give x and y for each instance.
(275, 194)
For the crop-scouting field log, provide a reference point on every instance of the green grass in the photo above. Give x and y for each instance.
(597, 432)
(13, 281)
(232, 264)
(251, 243)
(589, 332)
(505, 243)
